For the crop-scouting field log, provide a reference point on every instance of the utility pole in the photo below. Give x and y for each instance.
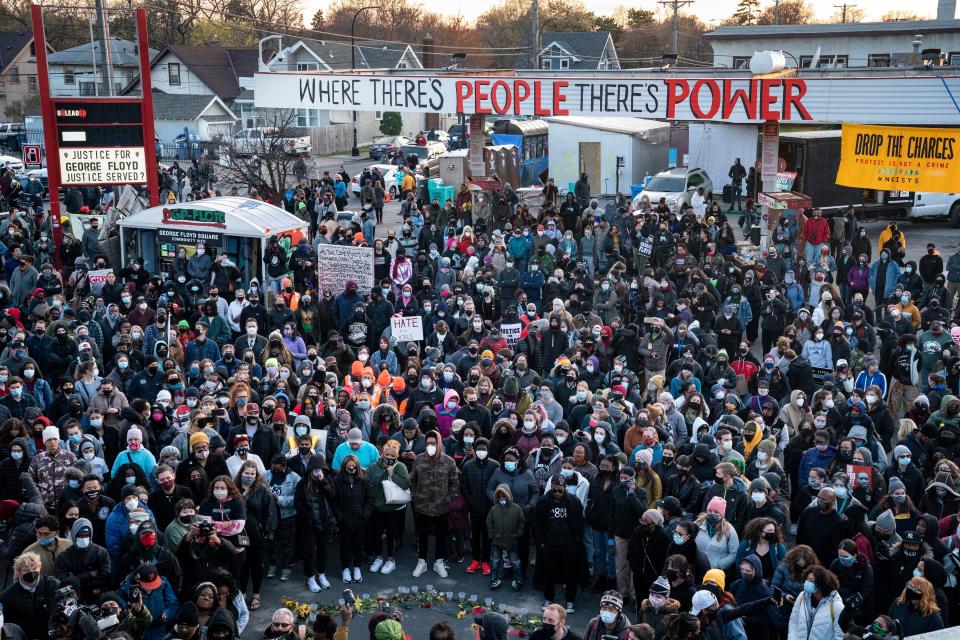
(843, 10)
(776, 11)
(535, 35)
(106, 55)
(675, 5)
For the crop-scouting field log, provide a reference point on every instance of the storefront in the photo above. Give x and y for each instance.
(235, 226)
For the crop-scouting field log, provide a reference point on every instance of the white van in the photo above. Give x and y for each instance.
(936, 205)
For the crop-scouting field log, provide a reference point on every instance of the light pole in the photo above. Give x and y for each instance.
(355, 151)
(539, 38)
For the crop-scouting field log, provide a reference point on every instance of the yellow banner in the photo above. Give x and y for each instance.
(899, 158)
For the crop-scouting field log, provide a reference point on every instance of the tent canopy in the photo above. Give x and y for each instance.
(244, 217)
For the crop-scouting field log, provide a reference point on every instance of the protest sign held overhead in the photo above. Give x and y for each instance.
(337, 264)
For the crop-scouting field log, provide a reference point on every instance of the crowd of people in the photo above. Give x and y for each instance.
(722, 442)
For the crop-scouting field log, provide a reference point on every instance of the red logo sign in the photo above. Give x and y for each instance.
(32, 154)
(72, 113)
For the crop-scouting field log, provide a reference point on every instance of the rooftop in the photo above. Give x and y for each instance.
(122, 53)
(840, 29)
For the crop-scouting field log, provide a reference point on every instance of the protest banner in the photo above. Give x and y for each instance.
(511, 332)
(98, 278)
(899, 158)
(860, 476)
(406, 328)
(336, 264)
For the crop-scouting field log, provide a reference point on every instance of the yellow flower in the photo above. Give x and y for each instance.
(461, 614)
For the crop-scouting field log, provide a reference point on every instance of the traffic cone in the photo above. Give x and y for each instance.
(386, 197)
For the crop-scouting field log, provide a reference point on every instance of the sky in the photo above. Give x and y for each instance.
(707, 9)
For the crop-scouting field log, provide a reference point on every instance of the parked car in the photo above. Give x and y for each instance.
(41, 175)
(936, 205)
(677, 185)
(11, 162)
(254, 141)
(9, 133)
(387, 146)
(428, 155)
(459, 136)
(389, 173)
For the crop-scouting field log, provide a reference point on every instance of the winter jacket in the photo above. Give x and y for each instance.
(376, 474)
(433, 482)
(720, 548)
(48, 471)
(912, 623)
(283, 489)
(752, 590)
(354, 500)
(625, 510)
(117, 527)
(892, 272)
(504, 523)
(599, 504)
(813, 458)
(819, 353)
(475, 475)
(31, 610)
(162, 604)
(825, 622)
(953, 268)
(523, 488)
(78, 563)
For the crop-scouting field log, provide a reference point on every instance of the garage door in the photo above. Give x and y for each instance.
(223, 129)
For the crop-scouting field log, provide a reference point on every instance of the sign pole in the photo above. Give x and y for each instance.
(146, 108)
(49, 129)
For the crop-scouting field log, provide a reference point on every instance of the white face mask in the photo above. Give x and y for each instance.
(871, 398)
(431, 450)
(131, 504)
(481, 454)
(220, 494)
(799, 401)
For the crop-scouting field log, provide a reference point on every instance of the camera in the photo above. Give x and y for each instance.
(205, 528)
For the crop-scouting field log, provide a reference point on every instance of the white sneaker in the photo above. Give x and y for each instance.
(357, 577)
(312, 585)
(389, 566)
(346, 576)
(322, 581)
(377, 564)
(440, 568)
(420, 569)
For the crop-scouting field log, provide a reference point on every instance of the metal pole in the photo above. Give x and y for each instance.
(355, 151)
(535, 34)
(146, 109)
(106, 57)
(51, 148)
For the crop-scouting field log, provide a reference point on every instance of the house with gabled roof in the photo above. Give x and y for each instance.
(580, 50)
(18, 67)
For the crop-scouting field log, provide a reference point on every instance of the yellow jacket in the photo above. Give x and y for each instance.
(885, 237)
(408, 182)
(912, 310)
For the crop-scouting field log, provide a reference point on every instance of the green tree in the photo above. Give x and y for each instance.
(637, 18)
(317, 22)
(391, 124)
(746, 12)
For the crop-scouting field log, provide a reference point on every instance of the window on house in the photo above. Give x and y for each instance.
(546, 63)
(564, 63)
(378, 115)
(88, 89)
(308, 118)
(33, 49)
(69, 77)
(742, 62)
(173, 74)
(827, 61)
(401, 65)
(307, 66)
(878, 60)
(32, 84)
(14, 75)
(953, 58)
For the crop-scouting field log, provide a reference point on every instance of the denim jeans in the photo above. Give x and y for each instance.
(604, 556)
(496, 560)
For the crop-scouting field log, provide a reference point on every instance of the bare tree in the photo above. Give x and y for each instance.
(265, 162)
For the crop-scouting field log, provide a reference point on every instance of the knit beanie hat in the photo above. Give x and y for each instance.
(660, 586)
(894, 484)
(886, 521)
(717, 577)
(199, 438)
(767, 446)
(717, 505)
(654, 516)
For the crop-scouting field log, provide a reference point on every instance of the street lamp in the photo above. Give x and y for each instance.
(540, 37)
(355, 151)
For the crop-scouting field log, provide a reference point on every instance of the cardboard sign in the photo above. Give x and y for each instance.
(511, 332)
(819, 372)
(97, 279)
(406, 328)
(336, 264)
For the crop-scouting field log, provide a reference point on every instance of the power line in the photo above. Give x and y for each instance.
(675, 5)
(843, 10)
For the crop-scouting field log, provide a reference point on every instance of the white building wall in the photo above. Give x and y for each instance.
(857, 47)
(122, 76)
(190, 84)
(564, 163)
(713, 148)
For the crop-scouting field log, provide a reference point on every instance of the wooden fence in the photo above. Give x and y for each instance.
(333, 138)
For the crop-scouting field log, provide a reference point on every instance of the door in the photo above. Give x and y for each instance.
(590, 164)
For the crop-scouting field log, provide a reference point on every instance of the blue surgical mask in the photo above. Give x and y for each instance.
(847, 561)
(678, 539)
(917, 573)
(16, 455)
(510, 466)
(809, 587)
(47, 541)
(130, 479)
(74, 484)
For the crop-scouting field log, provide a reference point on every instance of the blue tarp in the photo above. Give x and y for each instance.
(506, 138)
